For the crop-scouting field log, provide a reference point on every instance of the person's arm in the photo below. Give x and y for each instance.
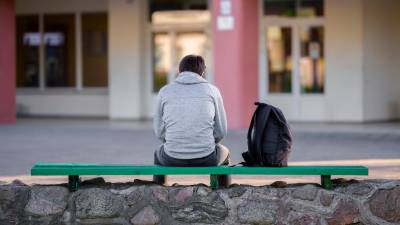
(220, 124)
(158, 123)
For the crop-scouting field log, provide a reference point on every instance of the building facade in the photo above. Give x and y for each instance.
(318, 60)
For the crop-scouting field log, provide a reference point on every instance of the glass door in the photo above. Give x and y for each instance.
(169, 46)
(174, 33)
(293, 61)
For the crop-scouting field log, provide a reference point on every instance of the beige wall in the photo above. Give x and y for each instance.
(381, 59)
(344, 50)
(363, 60)
(63, 103)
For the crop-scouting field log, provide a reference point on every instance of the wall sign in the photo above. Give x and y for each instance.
(225, 23)
(225, 20)
(225, 7)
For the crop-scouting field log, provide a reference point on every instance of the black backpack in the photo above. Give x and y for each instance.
(269, 139)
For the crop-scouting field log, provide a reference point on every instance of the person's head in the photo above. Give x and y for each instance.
(192, 63)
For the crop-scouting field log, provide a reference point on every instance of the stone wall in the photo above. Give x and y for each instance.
(99, 203)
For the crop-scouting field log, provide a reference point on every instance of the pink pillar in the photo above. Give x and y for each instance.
(7, 61)
(236, 59)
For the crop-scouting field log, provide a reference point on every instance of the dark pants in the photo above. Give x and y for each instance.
(217, 158)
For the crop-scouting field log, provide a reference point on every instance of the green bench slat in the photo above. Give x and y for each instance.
(54, 169)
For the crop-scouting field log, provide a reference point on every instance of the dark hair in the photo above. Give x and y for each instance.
(192, 63)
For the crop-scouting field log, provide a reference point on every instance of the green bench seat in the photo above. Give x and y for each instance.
(74, 170)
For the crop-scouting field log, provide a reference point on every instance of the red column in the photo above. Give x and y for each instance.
(236, 59)
(7, 61)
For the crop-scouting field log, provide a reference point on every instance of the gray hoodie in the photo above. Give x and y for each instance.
(189, 117)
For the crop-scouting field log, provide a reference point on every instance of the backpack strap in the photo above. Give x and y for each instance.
(253, 156)
(247, 156)
(261, 124)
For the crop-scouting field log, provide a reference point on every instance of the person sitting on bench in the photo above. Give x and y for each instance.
(190, 120)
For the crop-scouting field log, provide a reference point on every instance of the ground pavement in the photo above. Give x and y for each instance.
(376, 145)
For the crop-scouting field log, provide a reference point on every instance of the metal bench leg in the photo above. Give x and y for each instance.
(217, 181)
(74, 182)
(214, 184)
(326, 182)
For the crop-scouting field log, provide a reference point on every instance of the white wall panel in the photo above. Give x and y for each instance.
(62, 105)
(344, 54)
(126, 58)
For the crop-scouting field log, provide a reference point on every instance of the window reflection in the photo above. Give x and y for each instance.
(279, 50)
(312, 66)
(28, 41)
(190, 43)
(94, 50)
(59, 40)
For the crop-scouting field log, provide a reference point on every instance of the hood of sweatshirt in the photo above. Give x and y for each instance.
(190, 78)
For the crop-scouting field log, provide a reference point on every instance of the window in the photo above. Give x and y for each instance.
(310, 8)
(59, 41)
(190, 43)
(294, 8)
(280, 7)
(161, 59)
(28, 41)
(312, 67)
(56, 47)
(279, 48)
(94, 50)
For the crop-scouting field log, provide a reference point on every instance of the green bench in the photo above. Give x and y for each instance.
(74, 170)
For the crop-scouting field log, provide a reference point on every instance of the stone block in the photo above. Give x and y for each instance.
(179, 195)
(13, 199)
(306, 192)
(305, 219)
(326, 198)
(47, 200)
(258, 212)
(385, 204)
(159, 193)
(97, 203)
(346, 212)
(236, 191)
(146, 216)
(357, 189)
(208, 209)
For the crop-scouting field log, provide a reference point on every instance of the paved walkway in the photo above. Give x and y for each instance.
(101, 141)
